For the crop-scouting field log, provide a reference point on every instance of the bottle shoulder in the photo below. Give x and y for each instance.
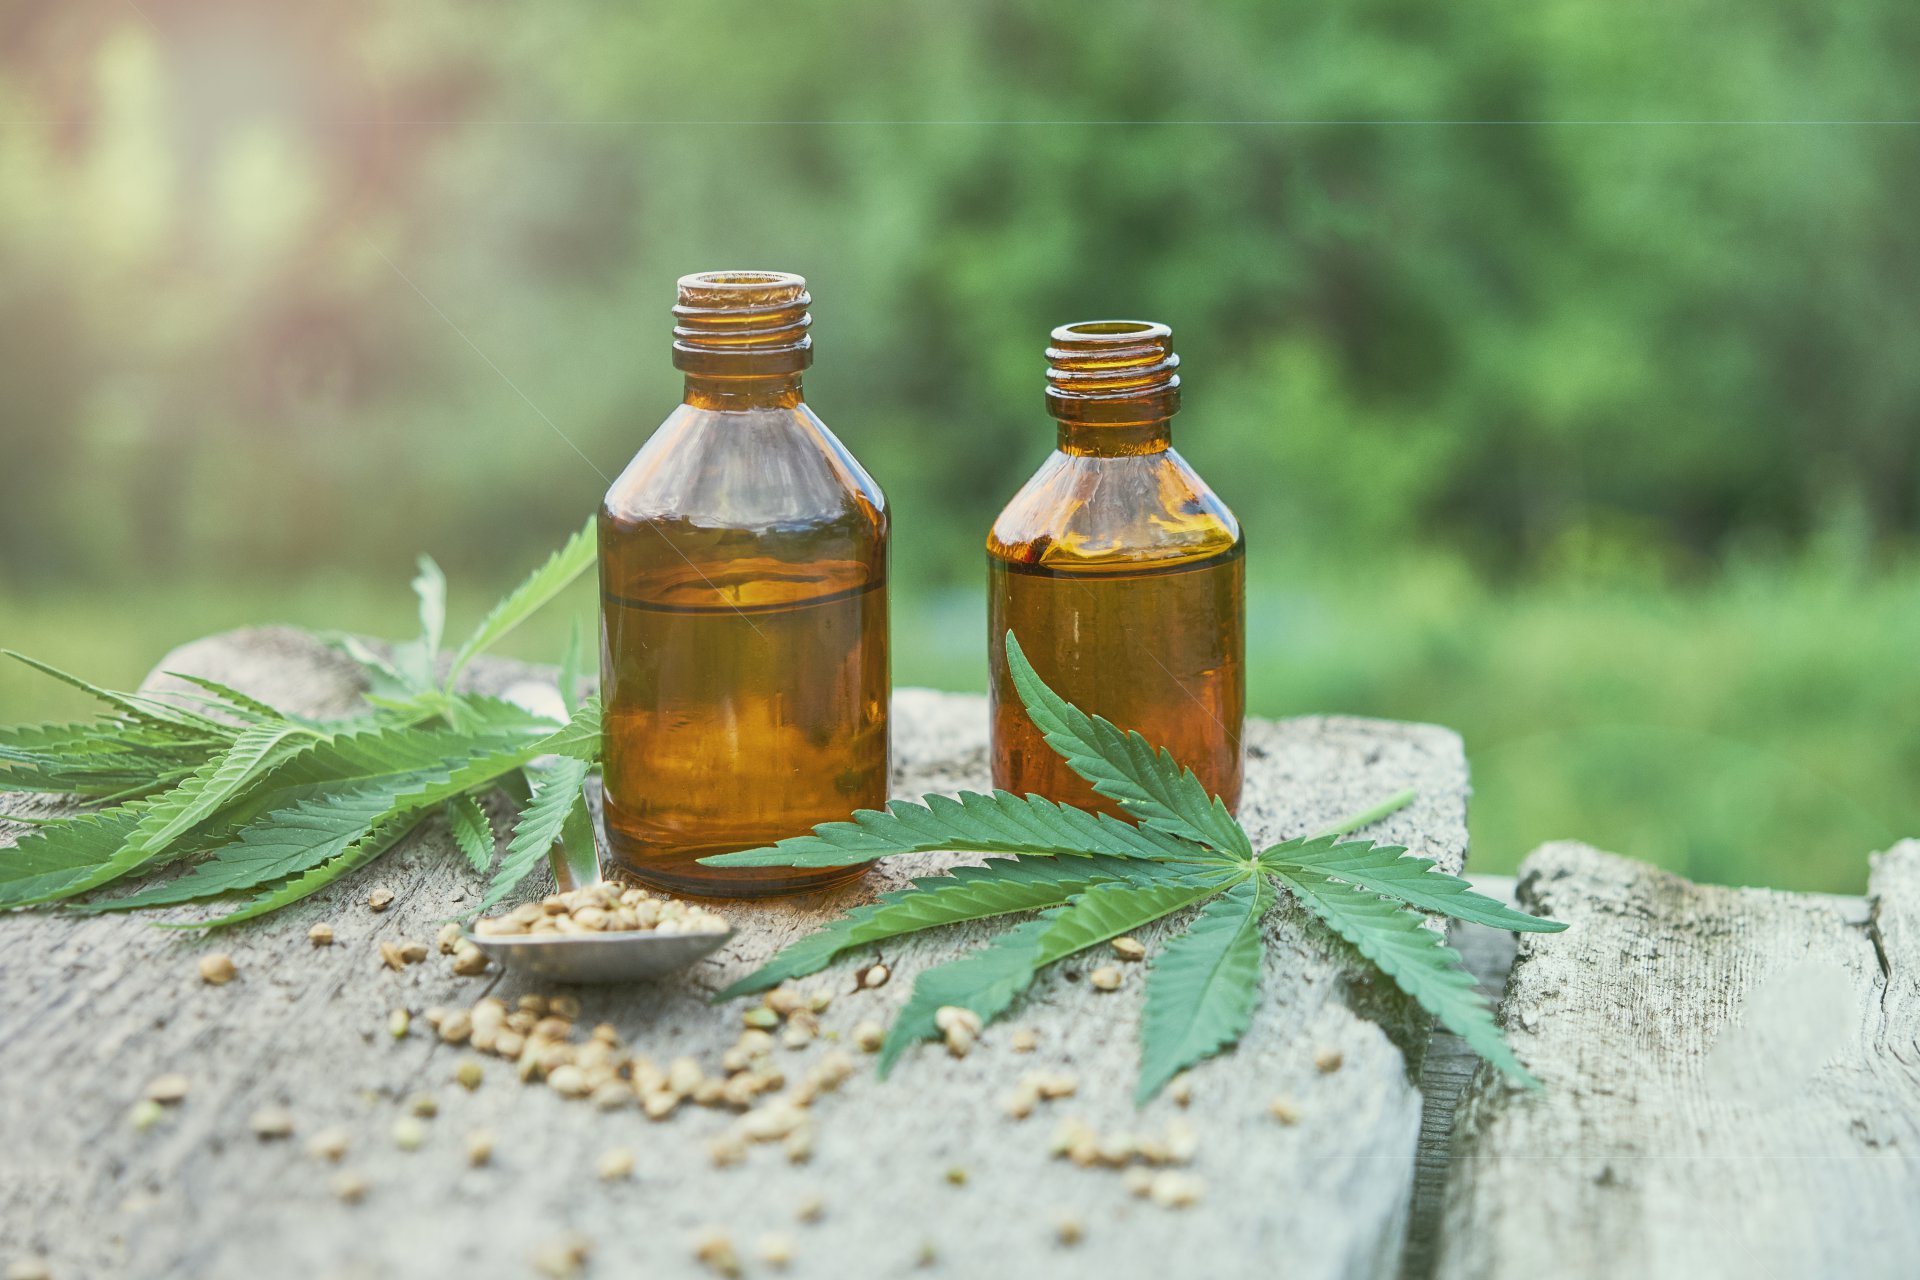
(1113, 513)
(750, 469)
(741, 509)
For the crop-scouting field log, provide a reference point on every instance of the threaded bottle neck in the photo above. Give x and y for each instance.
(1113, 384)
(742, 324)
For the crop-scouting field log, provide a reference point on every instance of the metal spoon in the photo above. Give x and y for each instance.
(588, 957)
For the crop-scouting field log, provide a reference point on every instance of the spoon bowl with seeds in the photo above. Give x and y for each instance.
(592, 930)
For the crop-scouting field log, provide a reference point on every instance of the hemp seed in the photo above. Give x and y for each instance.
(1284, 1110)
(479, 1147)
(329, 1145)
(321, 935)
(1105, 978)
(1328, 1060)
(380, 899)
(350, 1188)
(409, 1133)
(167, 1089)
(271, 1122)
(615, 1164)
(713, 1250)
(216, 968)
(1129, 948)
(775, 1249)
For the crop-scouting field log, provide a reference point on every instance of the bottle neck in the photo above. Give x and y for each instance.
(1114, 439)
(723, 395)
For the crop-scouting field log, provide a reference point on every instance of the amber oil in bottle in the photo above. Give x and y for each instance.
(1120, 572)
(743, 578)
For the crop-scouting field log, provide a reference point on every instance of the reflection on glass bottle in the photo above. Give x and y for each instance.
(743, 578)
(1120, 572)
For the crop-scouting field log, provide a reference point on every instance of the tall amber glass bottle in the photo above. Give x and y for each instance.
(1120, 572)
(743, 582)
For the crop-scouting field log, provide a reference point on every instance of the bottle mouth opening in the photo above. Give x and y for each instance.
(742, 322)
(1112, 360)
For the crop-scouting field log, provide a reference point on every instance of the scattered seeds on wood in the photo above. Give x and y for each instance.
(399, 1022)
(390, 956)
(479, 1147)
(869, 1036)
(329, 1145)
(775, 1249)
(468, 960)
(146, 1113)
(424, 1105)
(1129, 948)
(874, 976)
(448, 938)
(456, 1027)
(469, 1073)
(167, 1089)
(761, 1017)
(1284, 1110)
(409, 1133)
(216, 968)
(412, 952)
(350, 1188)
(614, 1165)
(1024, 1040)
(1105, 978)
(271, 1122)
(321, 935)
(380, 899)
(1328, 1060)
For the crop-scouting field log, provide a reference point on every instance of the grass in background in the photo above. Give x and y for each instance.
(1758, 729)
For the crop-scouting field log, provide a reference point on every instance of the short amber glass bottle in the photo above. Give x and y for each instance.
(1120, 572)
(743, 581)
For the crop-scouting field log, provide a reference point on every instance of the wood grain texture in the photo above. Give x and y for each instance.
(1732, 1083)
(94, 1007)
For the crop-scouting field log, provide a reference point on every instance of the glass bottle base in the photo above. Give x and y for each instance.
(680, 873)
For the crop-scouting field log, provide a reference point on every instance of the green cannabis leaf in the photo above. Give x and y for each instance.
(270, 807)
(1092, 877)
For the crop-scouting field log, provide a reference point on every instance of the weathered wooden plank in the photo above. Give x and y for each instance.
(1732, 1083)
(93, 1007)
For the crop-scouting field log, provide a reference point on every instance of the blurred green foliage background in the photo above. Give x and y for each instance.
(1560, 359)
